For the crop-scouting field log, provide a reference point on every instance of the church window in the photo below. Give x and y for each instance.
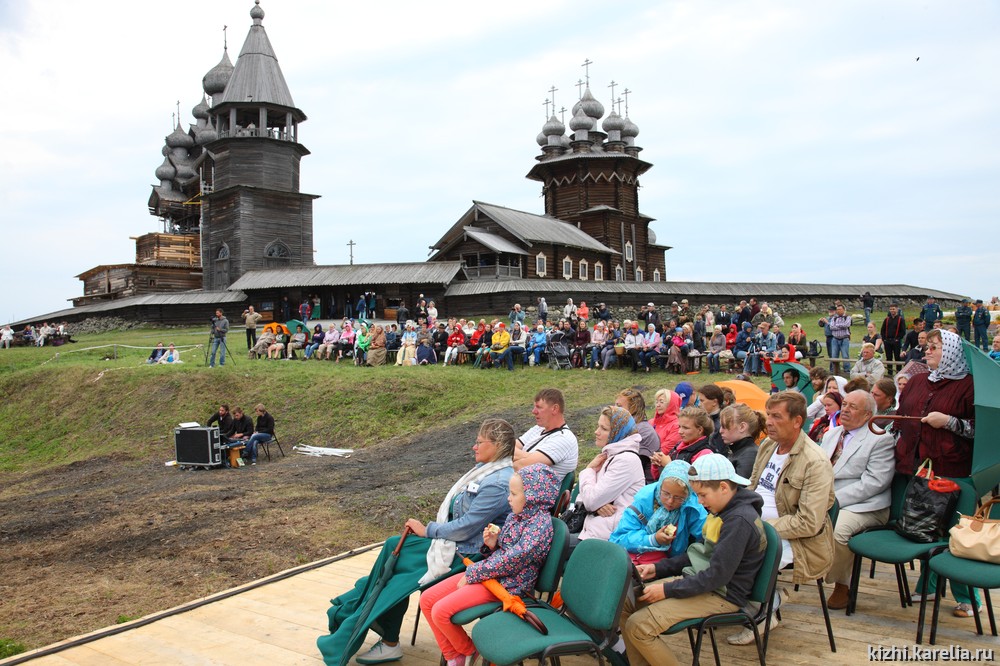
(567, 268)
(277, 255)
(656, 275)
(598, 271)
(540, 265)
(619, 273)
(628, 251)
(638, 274)
(584, 270)
(223, 252)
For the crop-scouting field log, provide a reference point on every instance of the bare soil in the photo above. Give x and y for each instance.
(112, 538)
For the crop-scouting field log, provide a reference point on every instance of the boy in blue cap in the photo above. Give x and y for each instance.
(715, 576)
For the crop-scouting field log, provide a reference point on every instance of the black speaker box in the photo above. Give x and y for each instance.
(198, 447)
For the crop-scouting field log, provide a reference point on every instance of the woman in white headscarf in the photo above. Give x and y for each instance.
(944, 400)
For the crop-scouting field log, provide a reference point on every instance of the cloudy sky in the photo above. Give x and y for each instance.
(791, 141)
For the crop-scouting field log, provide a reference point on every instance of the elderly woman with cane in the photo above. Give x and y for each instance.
(435, 550)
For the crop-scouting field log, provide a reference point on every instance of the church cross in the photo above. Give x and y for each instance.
(552, 94)
(547, 102)
(612, 86)
(618, 104)
(562, 113)
(579, 88)
(625, 94)
(586, 65)
(351, 245)
(225, 41)
(178, 113)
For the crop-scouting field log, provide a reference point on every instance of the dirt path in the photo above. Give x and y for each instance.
(91, 543)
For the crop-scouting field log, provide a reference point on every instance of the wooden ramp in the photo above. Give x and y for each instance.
(277, 620)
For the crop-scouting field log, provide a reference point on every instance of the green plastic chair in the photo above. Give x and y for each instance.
(566, 495)
(885, 545)
(973, 573)
(548, 576)
(761, 594)
(587, 622)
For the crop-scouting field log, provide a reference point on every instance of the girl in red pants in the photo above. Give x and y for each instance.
(514, 557)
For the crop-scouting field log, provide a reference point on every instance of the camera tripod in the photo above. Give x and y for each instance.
(225, 347)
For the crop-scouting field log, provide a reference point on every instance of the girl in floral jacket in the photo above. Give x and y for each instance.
(513, 558)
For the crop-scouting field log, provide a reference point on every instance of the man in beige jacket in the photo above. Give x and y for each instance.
(795, 479)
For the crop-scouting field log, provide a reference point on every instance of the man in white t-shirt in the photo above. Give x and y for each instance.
(550, 442)
(795, 479)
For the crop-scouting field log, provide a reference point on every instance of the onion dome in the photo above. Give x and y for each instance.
(581, 121)
(206, 134)
(630, 129)
(214, 82)
(541, 139)
(553, 127)
(201, 110)
(166, 171)
(184, 172)
(613, 122)
(165, 150)
(564, 141)
(179, 139)
(257, 14)
(651, 235)
(590, 105)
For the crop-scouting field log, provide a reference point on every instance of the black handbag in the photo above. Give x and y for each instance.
(928, 505)
(574, 517)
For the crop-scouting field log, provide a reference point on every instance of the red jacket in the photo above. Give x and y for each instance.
(950, 454)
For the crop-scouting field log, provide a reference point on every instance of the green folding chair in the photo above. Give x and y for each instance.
(587, 622)
(762, 594)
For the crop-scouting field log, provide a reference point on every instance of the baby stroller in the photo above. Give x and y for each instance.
(557, 350)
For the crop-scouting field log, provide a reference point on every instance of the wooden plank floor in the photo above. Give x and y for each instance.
(278, 623)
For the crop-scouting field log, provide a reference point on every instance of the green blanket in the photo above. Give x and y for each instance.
(344, 615)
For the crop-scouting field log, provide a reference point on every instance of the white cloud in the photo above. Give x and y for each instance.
(766, 120)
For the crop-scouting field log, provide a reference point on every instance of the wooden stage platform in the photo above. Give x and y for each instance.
(276, 621)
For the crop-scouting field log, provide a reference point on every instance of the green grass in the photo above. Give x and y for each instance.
(9, 648)
(78, 405)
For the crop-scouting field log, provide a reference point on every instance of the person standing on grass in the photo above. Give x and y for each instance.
(220, 327)
(250, 319)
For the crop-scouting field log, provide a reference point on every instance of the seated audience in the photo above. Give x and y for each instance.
(667, 405)
(376, 347)
(795, 479)
(331, 341)
(863, 467)
(714, 576)
(613, 477)
(297, 341)
(171, 355)
(263, 432)
(549, 441)
(694, 427)
(664, 519)
(315, 342)
(740, 427)
(631, 399)
(156, 354)
(868, 367)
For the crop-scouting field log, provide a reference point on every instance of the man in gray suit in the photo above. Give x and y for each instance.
(863, 467)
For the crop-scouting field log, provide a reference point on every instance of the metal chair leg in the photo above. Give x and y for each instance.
(937, 608)
(975, 610)
(416, 623)
(826, 614)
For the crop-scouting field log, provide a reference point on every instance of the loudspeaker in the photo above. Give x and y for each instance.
(198, 447)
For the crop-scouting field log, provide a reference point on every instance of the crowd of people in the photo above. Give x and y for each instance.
(749, 339)
(35, 336)
(237, 430)
(685, 494)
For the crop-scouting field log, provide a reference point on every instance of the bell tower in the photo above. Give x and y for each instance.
(253, 214)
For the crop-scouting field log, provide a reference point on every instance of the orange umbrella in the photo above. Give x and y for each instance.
(748, 393)
(511, 602)
(276, 328)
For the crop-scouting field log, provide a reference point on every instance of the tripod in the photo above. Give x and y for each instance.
(225, 347)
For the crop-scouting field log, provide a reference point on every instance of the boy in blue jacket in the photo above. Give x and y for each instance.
(715, 576)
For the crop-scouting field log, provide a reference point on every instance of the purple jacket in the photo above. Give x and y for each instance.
(526, 537)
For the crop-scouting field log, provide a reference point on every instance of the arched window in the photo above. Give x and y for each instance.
(628, 251)
(223, 252)
(540, 264)
(277, 255)
(584, 270)
(638, 274)
(221, 280)
(619, 273)
(656, 275)
(598, 271)
(567, 268)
